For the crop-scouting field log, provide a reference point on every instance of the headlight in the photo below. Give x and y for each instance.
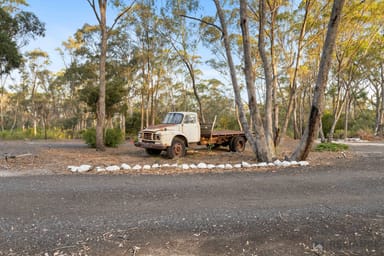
(157, 136)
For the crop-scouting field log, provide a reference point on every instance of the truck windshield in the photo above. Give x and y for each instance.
(173, 118)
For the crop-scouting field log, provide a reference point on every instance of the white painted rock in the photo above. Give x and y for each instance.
(303, 163)
(262, 164)
(84, 168)
(193, 166)
(100, 169)
(211, 166)
(165, 165)
(286, 163)
(136, 167)
(174, 165)
(202, 166)
(154, 166)
(146, 167)
(278, 162)
(185, 166)
(246, 165)
(72, 168)
(228, 166)
(237, 166)
(220, 166)
(271, 164)
(112, 168)
(126, 167)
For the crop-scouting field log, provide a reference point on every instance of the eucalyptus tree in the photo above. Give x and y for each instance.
(355, 38)
(35, 77)
(100, 11)
(302, 150)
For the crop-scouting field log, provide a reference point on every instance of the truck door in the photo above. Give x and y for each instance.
(191, 128)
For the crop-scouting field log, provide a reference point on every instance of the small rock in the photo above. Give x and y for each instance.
(220, 166)
(125, 167)
(278, 162)
(100, 169)
(228, 166)
(286, 163)
(211, 166)
(185, 166)
(202, 166)
(246, 165)
(262, 164)
(72, 168)
(146, 167)
(136, 167)
(193, 166)
(303, 163)
(154, 166)
(237, 166)
(112, 168)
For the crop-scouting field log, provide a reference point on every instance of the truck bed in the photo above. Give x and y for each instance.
(207, 132)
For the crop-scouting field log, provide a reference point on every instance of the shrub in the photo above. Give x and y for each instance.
(329, 146)
(89, 136)
(112, 138)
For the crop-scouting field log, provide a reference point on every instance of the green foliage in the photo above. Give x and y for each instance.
(89, 136)
(113, 137)
(329, 146)
(16, 30)
(28, 134)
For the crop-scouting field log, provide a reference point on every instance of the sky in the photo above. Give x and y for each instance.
(62, 19)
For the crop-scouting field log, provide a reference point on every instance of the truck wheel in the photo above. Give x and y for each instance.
(177, 149)
(153, 152)
(237, 144)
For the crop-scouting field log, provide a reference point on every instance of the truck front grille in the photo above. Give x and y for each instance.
(148, 136)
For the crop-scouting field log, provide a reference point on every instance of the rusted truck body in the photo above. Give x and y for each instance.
(180, 130)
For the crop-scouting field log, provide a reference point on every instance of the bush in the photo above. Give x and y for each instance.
(329, 146)
(112, 138)
(90, 137)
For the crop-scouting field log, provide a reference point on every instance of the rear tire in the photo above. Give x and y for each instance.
(177, 149)
(237, 144)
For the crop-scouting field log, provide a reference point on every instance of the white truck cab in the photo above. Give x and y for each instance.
(177, 130)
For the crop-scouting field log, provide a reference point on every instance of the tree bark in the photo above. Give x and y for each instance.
(311, 131)
(270, 77)
(264, 149)
(235, 85)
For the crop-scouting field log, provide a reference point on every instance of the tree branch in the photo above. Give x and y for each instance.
(121, 14)
(92, 4)
(205, 22)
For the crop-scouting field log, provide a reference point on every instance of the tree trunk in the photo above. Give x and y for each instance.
(263, 143)
(270, 77)
(102, 84)
(233, 72)
(311, 131)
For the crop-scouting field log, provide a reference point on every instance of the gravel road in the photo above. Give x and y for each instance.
(313, 210)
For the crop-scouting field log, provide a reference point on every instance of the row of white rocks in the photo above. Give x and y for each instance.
(137, 167)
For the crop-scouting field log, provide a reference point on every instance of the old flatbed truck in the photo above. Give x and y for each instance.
(180, 130)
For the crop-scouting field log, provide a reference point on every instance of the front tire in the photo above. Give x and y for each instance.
(177, 149)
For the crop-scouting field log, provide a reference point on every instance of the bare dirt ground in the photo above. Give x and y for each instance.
(36, 157)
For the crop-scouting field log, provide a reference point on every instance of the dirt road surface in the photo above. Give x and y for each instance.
(330, 209)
